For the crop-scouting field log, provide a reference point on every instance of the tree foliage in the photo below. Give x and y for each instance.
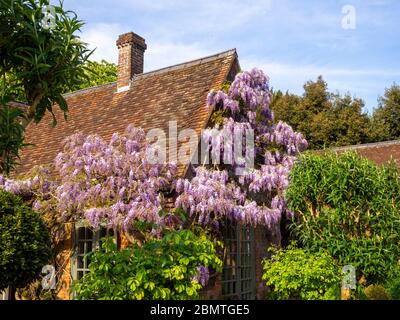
(326, 119)
(11, 137)
(97, 73)
(42, 60)
(38, 63)
(386, 118)
(350, 207)
(174, 267)
(24, 242)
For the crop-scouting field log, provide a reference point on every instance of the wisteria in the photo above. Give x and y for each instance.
(256, 196)
(39, 185)
(113, 184)
(203, 275)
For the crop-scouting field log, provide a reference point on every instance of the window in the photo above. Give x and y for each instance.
(85, 241)
(238, 276)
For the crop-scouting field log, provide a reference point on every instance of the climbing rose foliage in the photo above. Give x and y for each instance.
(256, 196)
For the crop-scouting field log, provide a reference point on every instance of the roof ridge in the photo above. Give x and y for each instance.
(186, 64)
(158, 71)
(367, 145)
(72, 93)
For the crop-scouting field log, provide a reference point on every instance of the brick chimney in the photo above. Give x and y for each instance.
(131, 48)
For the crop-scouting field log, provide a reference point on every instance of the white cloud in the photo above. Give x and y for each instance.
(160, 53)
(164, 54)
(102, 37)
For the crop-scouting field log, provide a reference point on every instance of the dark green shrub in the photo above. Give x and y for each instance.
(350, 207)
(160, 269)
(299, 274)
(392, 283)
(24, 243)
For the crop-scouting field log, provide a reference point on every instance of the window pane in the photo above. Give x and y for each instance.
(89, 245)
(89, 234)
(81, 247)
(80, 262)
(81, 233)
(237, 277)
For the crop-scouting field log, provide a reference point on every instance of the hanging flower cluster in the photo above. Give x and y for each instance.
(203, 275)
(114, 184)
(39, 185)
(256, 195)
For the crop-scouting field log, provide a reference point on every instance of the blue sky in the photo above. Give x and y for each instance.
(292, 41)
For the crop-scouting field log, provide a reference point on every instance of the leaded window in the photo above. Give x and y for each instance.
(238, 276)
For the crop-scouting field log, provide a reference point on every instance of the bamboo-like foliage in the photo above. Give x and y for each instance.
(11, 138)
(350, 207)
(38, 63)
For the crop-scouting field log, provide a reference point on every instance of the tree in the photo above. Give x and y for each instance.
(38, 63)
(97, 73)
(11, 138)
(24, 242)
(385, 123)
(350, 123)
(286, 107)
(326, 119)
(43, 60)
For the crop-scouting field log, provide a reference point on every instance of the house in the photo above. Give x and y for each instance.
(150, 100)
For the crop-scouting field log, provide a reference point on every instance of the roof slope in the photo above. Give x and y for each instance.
(177, 93)
(380, 152)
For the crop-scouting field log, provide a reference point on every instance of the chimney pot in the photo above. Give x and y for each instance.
(131, 48)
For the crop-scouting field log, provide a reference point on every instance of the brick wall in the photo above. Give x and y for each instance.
(63, 264)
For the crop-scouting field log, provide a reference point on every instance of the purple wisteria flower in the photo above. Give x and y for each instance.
(202, 276)
(215, 192)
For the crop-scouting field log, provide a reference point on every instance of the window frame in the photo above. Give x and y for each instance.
(238, 278)
(75, 247)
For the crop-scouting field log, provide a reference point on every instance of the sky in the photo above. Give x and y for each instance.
(354, 45)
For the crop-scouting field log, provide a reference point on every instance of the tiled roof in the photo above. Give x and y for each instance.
(380, 152)
(177, 93)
